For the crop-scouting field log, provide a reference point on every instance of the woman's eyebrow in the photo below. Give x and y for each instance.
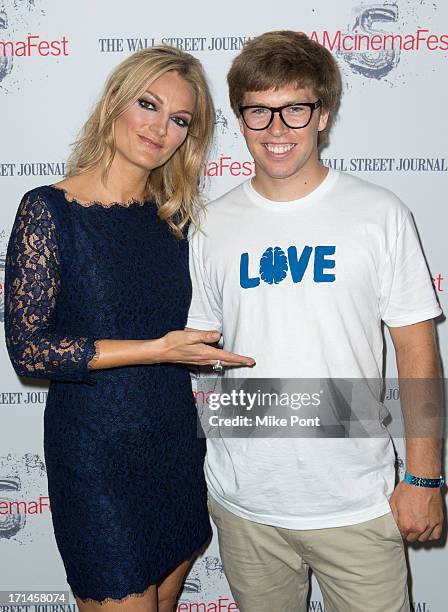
(148, 91)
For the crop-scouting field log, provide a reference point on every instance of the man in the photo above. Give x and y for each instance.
(297, 268)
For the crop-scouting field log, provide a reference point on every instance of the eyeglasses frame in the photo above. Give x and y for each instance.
(278, 109)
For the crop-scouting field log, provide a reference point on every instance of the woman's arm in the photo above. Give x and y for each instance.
(32, 284)
(186, 346)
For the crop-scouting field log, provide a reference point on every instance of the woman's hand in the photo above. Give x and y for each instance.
(192, 347)
(187, 346)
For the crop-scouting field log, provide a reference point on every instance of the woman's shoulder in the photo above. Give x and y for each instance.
(43, 194)
(40, 204)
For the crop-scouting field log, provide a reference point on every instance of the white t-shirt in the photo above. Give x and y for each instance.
(302, 287)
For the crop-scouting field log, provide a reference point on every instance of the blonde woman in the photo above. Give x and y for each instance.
(97, 294)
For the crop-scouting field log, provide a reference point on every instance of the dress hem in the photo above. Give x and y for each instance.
(120, 600)
(107, 600)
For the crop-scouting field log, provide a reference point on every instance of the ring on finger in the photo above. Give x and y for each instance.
(217, 367)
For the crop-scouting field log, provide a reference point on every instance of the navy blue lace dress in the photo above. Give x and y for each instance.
(123, 457)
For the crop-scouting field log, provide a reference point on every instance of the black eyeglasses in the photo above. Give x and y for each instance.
(295, 116)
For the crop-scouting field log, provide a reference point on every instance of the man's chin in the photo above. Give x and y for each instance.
(278, 174)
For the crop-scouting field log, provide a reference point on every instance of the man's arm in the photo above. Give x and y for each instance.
(417, 510)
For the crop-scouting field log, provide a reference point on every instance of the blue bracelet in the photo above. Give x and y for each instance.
(418, 481)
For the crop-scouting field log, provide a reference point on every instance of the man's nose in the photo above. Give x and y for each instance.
(277, 126)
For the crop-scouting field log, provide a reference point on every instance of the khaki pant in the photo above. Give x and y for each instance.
(359, 568)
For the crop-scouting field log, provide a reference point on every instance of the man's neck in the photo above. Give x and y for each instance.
(291, 188)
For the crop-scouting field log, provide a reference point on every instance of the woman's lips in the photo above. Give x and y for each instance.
(150, 143)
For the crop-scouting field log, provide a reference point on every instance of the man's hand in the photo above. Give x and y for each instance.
(418, 512)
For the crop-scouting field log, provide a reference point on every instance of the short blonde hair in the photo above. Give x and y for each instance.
(175, 186)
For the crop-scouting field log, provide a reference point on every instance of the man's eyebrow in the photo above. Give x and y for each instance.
(291, 103)
(151, 93)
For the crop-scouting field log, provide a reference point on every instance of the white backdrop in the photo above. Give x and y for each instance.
(391, 130)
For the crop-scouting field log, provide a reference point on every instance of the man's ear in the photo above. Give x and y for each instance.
(323, 120)
(241, 124)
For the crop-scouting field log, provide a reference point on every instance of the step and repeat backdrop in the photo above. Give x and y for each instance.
(391, 130)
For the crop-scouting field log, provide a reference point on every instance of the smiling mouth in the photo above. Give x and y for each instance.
(279, 149)
(150, 143)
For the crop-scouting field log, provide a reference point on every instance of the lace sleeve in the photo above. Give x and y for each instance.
(32, 284)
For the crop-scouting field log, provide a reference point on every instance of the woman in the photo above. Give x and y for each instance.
(96, 282)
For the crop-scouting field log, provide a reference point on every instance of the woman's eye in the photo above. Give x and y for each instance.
(183, 123)
(146, 104)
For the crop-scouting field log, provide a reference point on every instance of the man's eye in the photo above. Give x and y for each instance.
(146, 104)
(183, 123)
(295, 109)
(260, 110)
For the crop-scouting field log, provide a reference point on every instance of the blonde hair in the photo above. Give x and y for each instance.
(175, 186)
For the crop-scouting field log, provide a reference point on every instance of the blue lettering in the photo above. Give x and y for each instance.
(245, 281)
(321, 263)
(273, 266)
(298, 265)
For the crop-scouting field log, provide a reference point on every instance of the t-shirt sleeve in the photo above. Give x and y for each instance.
(205, 310)
(407, 292)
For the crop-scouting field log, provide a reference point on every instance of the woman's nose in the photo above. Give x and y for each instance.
(160, 124)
